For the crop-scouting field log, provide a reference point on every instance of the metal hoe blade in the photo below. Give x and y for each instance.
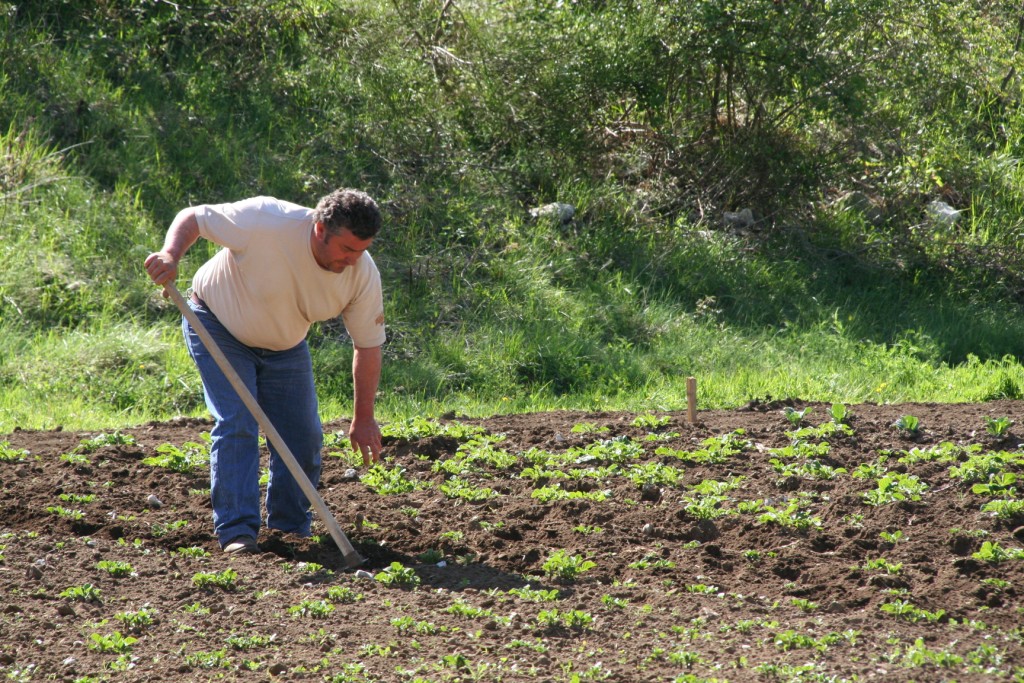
(350, 555)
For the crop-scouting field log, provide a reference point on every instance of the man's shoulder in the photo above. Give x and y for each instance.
(259, 204)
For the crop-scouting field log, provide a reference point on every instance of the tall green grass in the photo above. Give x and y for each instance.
(460, 119)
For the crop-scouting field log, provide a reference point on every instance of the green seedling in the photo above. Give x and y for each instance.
(251, 642)
(611, 601)
(159, 529)
(562, 565)
(77, 498)
(649, 421)
(431, 556)
(316, 609)
(112, 642)
(884, 565)
(794, 416)
(101, 440)
(895, 487)
(226, 579)
(907, 610)
(893, 537)
(998, 426)
(115, 567)
(138, 620)
(218, 659)
(588, 428)
(653, 562)
(1005, 510)
(460, 489)
(997, 485)
(195, 552)
(190, 456)
(907, 424)
(453, 537)
(75, 459)
(388, 482)
(66, 513)
(535, 594)
(84, 593)
(804, 604)
(573, 619)
(343, 594)
(422, 428)
(396, 574)
(839, 413)
(793, 516)
(9, 454)
(993, 552)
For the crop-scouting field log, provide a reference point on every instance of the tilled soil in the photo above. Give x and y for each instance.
(791, 575)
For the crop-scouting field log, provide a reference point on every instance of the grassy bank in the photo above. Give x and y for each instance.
(460, 119)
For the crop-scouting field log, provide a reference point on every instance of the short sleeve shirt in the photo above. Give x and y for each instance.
(266, 287)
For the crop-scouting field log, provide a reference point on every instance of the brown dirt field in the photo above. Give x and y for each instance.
(670, 597)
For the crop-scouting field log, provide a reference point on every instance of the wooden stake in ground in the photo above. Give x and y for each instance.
(351, 556)
(691, 399)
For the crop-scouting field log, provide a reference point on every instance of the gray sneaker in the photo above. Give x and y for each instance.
(242, 545)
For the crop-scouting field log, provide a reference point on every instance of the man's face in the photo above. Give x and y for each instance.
(337, 252)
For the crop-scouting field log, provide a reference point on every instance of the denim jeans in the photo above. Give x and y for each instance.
(282, 383)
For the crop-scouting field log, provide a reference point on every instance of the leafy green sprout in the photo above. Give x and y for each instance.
(112, 642)
(84, 593)
(101, 440)
(535, 594)
(895, 487)
(256, 640)
(795, 416)
(189, 456)
(839, 413)
(225, 580)
(1002, 483)
(994, 552)
(77, 498)
(10, 454)
(571, 619)
(649, 421)
(116, 568)
(1005, 510)
(562, 565)
(998, 426)
(343, 594)
(907, 424)
(893, 537)
(431, 556)
(397, 574)
(588, 428)
(317, 609)
(66, 513)
(453, 537)
(386, 482)
(138, 620)
(804, 604)
(884, 565)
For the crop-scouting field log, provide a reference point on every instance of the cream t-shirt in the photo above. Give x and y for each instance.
(265, 286)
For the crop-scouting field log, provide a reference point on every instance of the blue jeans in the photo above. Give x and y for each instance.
(282, 383)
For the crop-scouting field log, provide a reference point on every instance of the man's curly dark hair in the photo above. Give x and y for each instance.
(351, 209)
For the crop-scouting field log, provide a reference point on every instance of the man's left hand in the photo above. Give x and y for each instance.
(366, 439)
